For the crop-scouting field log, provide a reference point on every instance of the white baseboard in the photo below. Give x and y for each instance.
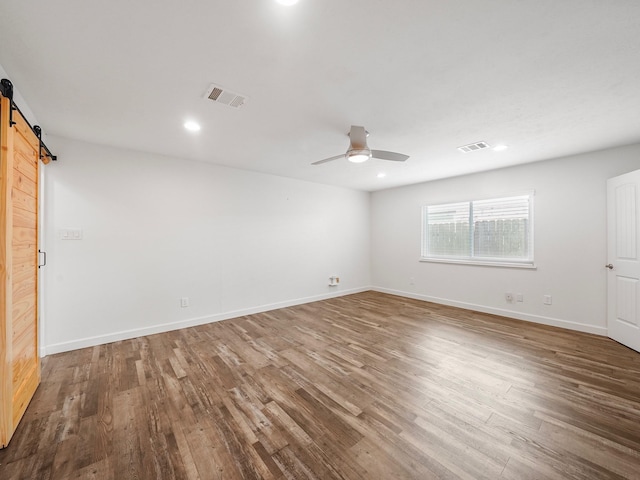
(191, 322)
(554, 322)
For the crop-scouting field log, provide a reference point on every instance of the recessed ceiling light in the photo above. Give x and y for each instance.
(382, 175)
(192, 126)
(500, 148)
(287, 2)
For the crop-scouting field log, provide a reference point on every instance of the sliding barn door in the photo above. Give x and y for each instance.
(20, 362)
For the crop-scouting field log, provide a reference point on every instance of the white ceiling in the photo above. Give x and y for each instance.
(547, 77)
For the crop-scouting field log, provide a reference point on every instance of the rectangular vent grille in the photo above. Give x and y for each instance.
(219, 94)
(472, 147)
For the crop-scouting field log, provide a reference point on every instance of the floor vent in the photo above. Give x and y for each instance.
(219, 94)
(472, 147)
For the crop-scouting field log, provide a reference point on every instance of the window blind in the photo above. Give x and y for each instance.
(492, 230)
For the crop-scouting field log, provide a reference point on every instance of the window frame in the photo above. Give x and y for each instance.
(528, 262)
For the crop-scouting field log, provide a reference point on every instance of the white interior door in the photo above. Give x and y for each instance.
(623, 283)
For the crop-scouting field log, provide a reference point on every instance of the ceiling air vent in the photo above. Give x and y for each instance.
(221, 95)
(472, 147)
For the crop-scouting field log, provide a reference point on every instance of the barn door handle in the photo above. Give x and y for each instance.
(609, 266)
(44, 255)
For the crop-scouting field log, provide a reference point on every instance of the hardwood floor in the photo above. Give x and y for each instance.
(368, 386)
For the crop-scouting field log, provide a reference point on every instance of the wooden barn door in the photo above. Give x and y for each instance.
(20, 360)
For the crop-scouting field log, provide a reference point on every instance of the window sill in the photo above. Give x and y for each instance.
(488, 263)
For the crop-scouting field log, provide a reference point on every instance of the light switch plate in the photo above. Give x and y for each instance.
(70, 233)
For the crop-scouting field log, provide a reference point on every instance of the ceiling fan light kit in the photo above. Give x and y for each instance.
(358, 156)
(360, 152)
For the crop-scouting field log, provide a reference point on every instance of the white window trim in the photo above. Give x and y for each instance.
(486, 262)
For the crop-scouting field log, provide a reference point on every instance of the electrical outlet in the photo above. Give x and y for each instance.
(547, 300)
(508, 297)
(519, 297)
(184, 302)
(412, 281)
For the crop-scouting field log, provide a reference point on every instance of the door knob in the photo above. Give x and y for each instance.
(609, 266)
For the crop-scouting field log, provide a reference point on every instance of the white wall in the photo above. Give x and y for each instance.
(570, 241)
(156, 229)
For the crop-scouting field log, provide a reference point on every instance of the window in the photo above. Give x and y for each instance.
(496, 231)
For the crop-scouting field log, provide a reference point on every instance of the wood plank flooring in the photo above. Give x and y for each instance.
(368, 386)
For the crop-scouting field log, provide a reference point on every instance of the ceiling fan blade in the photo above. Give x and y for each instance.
(358, 137)
(393, 156)
(330, 159)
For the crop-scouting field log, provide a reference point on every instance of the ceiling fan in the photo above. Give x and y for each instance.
(359, 151)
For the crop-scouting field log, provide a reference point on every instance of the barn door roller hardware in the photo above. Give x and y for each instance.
(6, 89)
(38, 131)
